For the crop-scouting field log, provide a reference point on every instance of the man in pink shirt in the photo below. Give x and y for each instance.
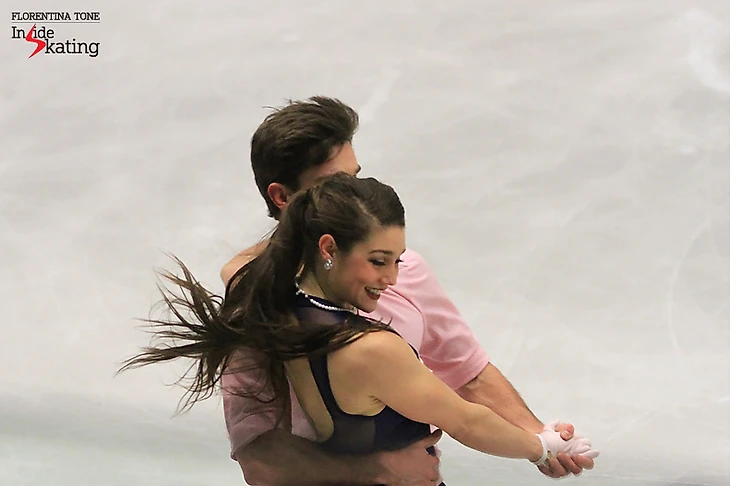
(291, 148)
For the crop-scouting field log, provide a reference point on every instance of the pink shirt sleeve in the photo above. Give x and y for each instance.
(449, 348)
(246, 418)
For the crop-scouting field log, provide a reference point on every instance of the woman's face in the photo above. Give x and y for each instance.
(358, 277)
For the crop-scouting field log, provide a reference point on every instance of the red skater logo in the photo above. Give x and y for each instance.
(40, 44)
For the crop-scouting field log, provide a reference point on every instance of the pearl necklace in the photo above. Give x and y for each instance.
(321, 305)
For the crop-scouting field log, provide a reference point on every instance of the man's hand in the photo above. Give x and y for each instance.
(412, 466)
(565, 464)
(278, 458)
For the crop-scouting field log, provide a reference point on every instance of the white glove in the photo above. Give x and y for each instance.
(553, 444)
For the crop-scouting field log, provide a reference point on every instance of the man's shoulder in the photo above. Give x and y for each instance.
(238, 261)
(413, 269)
(412, 260)
(417, 282)
(414, 283)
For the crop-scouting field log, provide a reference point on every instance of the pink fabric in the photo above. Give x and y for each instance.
(419, 309)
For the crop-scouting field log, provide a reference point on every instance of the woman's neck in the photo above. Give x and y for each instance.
(309, 285)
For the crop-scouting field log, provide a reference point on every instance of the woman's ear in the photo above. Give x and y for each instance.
(327, 247)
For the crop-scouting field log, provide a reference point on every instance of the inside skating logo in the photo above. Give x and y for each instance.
(39, 38)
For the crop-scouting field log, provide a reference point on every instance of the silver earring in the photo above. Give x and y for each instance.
(328, 264)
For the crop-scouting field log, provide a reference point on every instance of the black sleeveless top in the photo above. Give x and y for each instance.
(355, 434)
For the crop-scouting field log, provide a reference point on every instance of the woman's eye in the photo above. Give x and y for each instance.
(382, 264)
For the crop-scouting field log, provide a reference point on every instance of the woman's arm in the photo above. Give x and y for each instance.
(388, 369)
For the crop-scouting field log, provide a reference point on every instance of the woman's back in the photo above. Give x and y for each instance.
(346, 419)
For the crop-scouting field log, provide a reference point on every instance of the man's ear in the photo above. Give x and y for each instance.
(279, 194)
(327, 246)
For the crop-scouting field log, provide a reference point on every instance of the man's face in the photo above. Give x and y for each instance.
(344, 160)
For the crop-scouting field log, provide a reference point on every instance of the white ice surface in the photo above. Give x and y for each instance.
(564, 167)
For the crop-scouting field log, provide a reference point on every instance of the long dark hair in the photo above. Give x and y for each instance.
(256, 316)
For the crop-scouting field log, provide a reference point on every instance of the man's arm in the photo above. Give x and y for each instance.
(271, 456)
(452, 351)
(492, 389)
(278, 458)
(230, 268)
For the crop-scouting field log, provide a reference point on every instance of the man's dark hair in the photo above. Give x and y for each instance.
(296, 137)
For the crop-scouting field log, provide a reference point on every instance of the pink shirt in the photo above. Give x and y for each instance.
(419, 310)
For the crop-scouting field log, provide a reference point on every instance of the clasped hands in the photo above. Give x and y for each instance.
(564, 451)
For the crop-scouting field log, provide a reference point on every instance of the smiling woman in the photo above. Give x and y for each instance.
(294, 311)
(357, 277)
(337, 241)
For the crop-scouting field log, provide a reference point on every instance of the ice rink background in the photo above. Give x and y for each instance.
(564, 167)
